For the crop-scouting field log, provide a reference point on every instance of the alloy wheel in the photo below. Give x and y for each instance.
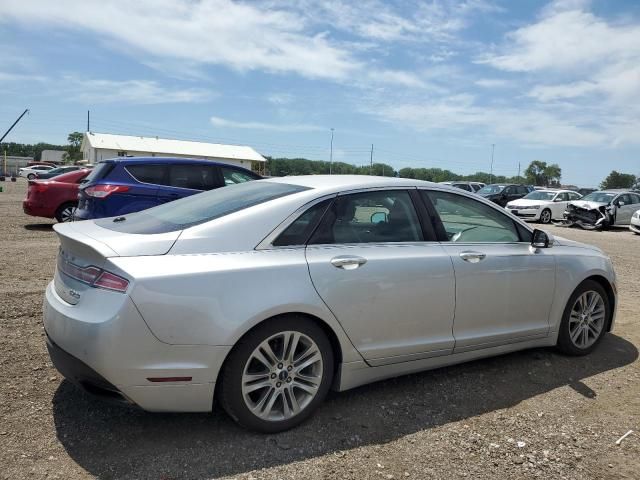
(586, 319)
(545, 216)
(282, 376)
(66, 214)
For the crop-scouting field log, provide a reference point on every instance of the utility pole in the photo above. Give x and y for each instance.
(331, 155)
(371, 161)
(518, 171)
(14, 124)
(88, 122)
(493, 145)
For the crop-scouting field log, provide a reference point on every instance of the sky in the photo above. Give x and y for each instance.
(427, 83)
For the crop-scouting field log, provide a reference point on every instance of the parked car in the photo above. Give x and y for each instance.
(30, 172)
(54, 172)
(602, 209)
(55, 198)
(461, 185)
(502, 194)
(634, 226)
(542, 205)
(586, 191)
(477, 185)
(124, 185)
(268, 293)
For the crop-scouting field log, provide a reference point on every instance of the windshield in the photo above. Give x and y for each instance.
(540, 195)
(199, 208)
(600, 197)
(489, 189)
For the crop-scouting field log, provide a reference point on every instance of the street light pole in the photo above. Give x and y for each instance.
(493, 146)
(331, 155)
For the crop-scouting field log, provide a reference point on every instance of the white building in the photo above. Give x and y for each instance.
(101, 146)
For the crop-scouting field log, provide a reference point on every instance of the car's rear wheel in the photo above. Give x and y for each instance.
(585, 319)
(545, 216)
(65, 212)
(277, 375)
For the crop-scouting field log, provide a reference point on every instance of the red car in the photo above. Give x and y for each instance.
(55, 198)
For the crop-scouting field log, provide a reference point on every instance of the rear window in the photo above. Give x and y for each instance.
(200, 208)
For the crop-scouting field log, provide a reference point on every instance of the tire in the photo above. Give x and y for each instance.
(64, 213)
(31, 176)
(279, 384)
(545, 216)
(580, 334)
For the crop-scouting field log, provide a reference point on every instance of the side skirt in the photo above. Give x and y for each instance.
(354, 374)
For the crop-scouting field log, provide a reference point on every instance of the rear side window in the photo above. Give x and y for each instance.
(233, 176)
(201, 208)
(100, 171)
(301, 229)
(194, 177)
(148, 173)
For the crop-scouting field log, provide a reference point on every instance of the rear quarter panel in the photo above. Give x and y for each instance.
(214, 299)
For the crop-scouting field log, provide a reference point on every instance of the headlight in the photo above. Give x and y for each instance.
(637, 214)
(533, 207)
(509, 206)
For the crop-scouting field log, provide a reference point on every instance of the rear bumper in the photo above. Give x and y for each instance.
(103, 345)
(36, 210)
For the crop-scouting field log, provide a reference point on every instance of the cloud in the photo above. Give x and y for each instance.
(491, 82)
(136, 92)
(280, 98)
(242, 36)
(298, 127)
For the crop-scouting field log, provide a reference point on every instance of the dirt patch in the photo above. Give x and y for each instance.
(534, 414)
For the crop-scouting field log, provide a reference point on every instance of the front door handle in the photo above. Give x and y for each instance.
(472, 257)
(348, 262)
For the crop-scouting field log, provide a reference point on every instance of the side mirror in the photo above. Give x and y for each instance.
(541, 239)
(378, 217)
(620, 203)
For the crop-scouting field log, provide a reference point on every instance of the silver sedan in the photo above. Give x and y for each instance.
(265, 295)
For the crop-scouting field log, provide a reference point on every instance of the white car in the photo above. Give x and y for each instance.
(634, 226)
(30, 172)
(542, 205)
(265, 294)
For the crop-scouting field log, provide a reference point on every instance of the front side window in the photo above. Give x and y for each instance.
(468, 220)
(635, 199)
(371, 217)
(232, 176)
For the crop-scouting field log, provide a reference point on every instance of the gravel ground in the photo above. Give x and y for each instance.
(525, 415)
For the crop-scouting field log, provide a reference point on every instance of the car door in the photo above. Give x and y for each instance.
(559, 205)
(504, 287)
(392, 291)
(625, 206)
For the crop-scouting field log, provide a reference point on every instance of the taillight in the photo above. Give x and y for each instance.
(37, 186)
(93, 276)
(103, 191)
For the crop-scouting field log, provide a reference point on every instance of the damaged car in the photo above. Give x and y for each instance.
(602, 209)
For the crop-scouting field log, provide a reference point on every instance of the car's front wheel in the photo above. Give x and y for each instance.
(585, 319)
(277, 375)
(31, 176)
(545, 216)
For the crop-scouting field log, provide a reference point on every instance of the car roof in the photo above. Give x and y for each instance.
(331, 183)
(169, 160)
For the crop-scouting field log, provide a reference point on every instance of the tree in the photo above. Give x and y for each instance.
(535, 173)
(73, 149)
(540, 174)
(553, 173)
(619, 180)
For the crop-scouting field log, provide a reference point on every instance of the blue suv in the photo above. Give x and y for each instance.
(125, 185)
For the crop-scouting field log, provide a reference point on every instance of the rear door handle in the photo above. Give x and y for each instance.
(472, 257)
(348, 262)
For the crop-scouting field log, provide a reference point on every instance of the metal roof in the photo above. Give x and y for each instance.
(167, 146)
